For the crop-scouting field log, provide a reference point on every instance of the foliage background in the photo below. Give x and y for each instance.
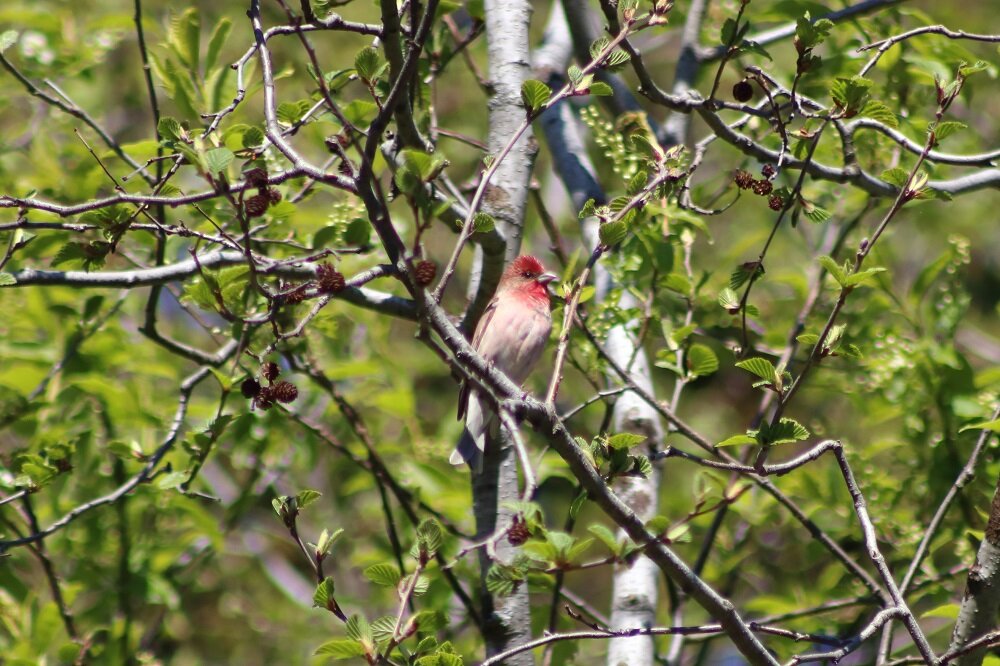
(211, 576)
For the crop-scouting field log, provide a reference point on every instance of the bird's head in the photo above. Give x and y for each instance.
(527, 275)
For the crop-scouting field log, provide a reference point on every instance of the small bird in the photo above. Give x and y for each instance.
(511, 336)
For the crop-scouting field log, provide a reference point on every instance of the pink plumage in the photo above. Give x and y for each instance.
(511, 336)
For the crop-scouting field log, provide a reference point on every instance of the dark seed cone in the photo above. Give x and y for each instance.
(296, 296)
(743, 179)
(425, 272)
(250, 387)
(767, 170)
(256, 177)
(256, 205)
(762, 187)
(273, 195)
(284, 391)
(265, 399)
(743, 91)
(518, 532)
(776, 202)
(329, 280)
(270, 371)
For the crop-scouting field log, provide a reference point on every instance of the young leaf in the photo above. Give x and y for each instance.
(218, 160)
(383, 574)
(855, 279)
(341, 648)
(368, 63)
(534, 94)
(729, 300)
(737, 440)
(701, 361)
(983, 425)
(307, 497)
(760, 367)
(613, 233)
(625, 440)
(836, 270)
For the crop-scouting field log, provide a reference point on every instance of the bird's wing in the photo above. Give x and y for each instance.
(484, 321)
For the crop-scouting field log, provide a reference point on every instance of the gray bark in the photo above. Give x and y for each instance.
(978, 612)
(507, 619)
(634, 596)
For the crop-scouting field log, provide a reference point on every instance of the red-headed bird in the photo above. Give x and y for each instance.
(511, 336)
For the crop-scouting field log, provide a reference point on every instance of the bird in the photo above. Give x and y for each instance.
(511, 336)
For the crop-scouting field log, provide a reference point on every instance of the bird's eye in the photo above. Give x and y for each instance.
(527, 275)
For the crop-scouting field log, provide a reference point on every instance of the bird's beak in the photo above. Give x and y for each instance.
(545, 278)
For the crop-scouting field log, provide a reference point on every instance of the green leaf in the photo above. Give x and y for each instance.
(216, 41)
(983, 425)
(760, 367)
(7, 39)
(341, 648)
(425, 166)
(383, 574)
(534, 94)
(701, 361)
(966, 70)
(947, 611)
(307, 497)
(808, 339)
(218, 160)
(851, 94)
(327, 539)
(809, 34)
(183, 38)
(290, 113)
(677, 337)
(429, 536)
(897, 176)
(169, 129)
(605, 536)
(625, 440)
(357, 627)
(6, 279)
(600, 89)
(737, 440)
(323, 593)
(358, 232)
(855, 279)
(483, 223)
(879, 111)
(814, 212)
(729, 300)
(946, 128)
(836, 270)
(383, 627)
(612, 233)
(677, 282)
(253, 137)
(368, 63)
(783, 432)
(577, 504)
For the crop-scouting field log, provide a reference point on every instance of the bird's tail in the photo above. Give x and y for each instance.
(467, 452)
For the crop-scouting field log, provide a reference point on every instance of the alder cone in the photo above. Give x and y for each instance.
(425, 272)
(256, 177)
(284, 391)
(743, 91)
(518, 532)
(250, 387)
(762, 187)
(329, 280)
(256, 205)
